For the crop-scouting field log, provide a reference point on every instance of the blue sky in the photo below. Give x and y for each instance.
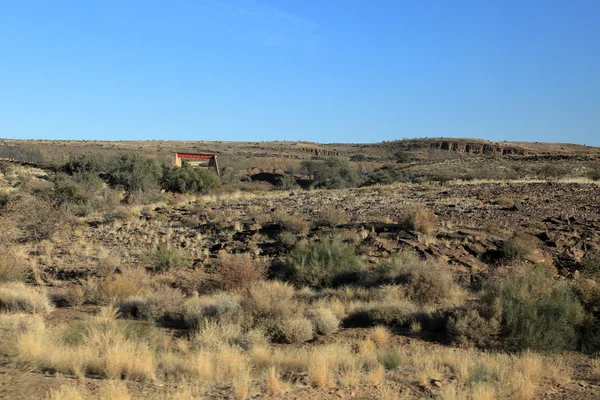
(315, 70)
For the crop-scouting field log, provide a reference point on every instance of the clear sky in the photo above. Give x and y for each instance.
(315, 70)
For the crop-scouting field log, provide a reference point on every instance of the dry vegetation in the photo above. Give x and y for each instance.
(112, 289)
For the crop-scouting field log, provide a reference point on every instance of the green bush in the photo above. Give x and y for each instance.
(165, 257)
(537, 312)
(323, 263)
(423, 281)
(595, 174)
(188, 179)
(517, 248)
(590, 263)
(134, 172)
(331, 174)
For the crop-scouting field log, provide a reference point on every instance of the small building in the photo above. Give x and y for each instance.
(208, 161)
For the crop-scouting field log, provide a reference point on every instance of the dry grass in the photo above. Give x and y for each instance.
(418, 219)
(18, 297)
(381, 335)
(238, 271)
(333, 216)
(12, 269)
(273, 384)
(294, 223)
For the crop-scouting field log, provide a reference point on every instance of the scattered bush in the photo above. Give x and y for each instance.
(330, 174)
(67, 297)
(324, 320)
(590, 263)
(17, 297)
(165, 257)
(595, 174)
(38, 219)
(134, 172)
(422, 281)
(188, 179)
(333, 216)
(222, 307)
(238, 271)
(286, 182)
(537, 313)
(475, 327)
(294, 223)
(418, 219)
(163, 304)
(517, 248)
(296, 329)
(11, 269)
(323, 263)
(117, 287)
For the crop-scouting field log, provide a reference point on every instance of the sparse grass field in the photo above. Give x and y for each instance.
(486, 290)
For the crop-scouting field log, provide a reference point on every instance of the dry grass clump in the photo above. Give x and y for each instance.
(324, 320)
(12, 269)
(423, 281)
(296, 329)
(517, 248)
(115, 288)
(163, 304)
(381, 335)
(223, 307)
(165, 257)
(110, 390)
(333, 216)
(294, 223)
(238, 271)
(67, 296)
(418, 219)
(17, 297)
(98, 346)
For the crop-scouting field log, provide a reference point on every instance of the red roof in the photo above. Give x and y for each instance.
(195, 156)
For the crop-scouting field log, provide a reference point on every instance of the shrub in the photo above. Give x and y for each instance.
(470, 328)
(38, 220)
(591, 263)
(134, 172)
(293, 223)
(331, 174)
(221, 307)
(165, 257)
(188, 179)
(324, 320)
(390, 358)
(17, 297)
(323, 263)
(238, 271)
(385, 175)
(537, 313)
(394, 315)
(296, 330)
(117, 287)
(11, 269)
(286, 182)
(595, 174)
(417, 219)
(333, 216)
(422, 281)
(270, 304)
(164, 305)
(67, 297)
(517, 248)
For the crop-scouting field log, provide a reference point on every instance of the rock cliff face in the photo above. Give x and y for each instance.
(314, 151)
(477, 148)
